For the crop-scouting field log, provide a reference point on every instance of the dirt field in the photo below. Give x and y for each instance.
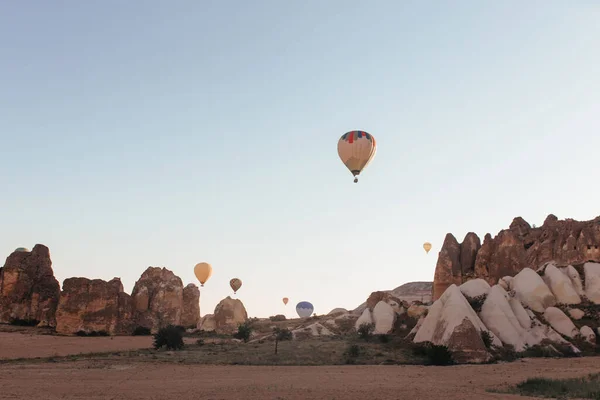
(177, 375)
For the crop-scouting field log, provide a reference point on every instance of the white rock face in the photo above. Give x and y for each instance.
(384, 316)
(588, 334)
(520, 312)
(475, 288)
(499, 317)
(365, 318)
(508, 281)
(416, 311)
(532, 291)
(560, 322)
(450, 313)
(573, 275)
(592, 281)
(576, 313)
(315, 329)
(561, 285)
(417, 327)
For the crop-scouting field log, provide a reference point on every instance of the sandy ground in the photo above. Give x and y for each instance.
(128, 379)
(103, 380)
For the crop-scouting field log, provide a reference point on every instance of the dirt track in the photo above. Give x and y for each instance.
(128, 379)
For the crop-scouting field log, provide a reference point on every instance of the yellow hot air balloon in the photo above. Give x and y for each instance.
(356, 150)
(427, 246)
(285, 300)
(203, 271)
(235, 284)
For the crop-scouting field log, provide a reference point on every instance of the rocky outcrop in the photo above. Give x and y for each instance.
(93, 306)
(409, 293)
(566, 242)
(157, 299)
(453, 323)
(190, 315)
(229, 313)
(28, 289)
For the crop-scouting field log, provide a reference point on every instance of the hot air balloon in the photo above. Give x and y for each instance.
(427, 246)
(356, 150)
(22, 250)
(203, 271)
(285, 300)
(304, 309)
(235, 284)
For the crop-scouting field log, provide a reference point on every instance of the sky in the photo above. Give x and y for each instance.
(159, 133)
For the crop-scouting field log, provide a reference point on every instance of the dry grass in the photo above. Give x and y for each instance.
(573, 388)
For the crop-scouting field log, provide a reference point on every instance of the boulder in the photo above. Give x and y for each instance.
(207, 323)
(157, 299)
(384, 317)
(475, 288)
(560, 322)
(190, 315)
(576, 313)
(28, 289)
(561, 285)
(312, 330)
(592, 281)
(94, 305)
(575, 278)
(532, 291)
(588, 334)
(229, 313)
(386, 297)
(365, 318)
(453, 323)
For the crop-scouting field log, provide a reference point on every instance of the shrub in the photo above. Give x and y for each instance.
(141, 331)
(487, 339)
(92, 333)
(434, 354)
(277, 318)
(365, 331)
(384, 338)
(352, 353)
(200, 342)
(244, 332)
(170, 336)
(476, 302)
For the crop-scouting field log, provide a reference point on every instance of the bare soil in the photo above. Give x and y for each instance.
(182, 375)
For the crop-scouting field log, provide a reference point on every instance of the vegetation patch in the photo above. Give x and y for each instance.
(476, 302)
(587, 387)
(92, 333)
(24, 322)
(170, 337)
(141, 331)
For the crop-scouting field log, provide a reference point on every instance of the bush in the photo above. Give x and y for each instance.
(476, 302)
(170, 336)
(141, 331)
(352, 353)
(92, 333)
(434, 354)
(384, 338)
(244, 332)
(200, 342)
(365, 331)
(487, 339)
(277, 318)
(24, 322)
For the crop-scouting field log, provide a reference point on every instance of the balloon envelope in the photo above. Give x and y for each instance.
(285, 300)
(203, 271)
(235, 284)
(356, 150)
(427, 246)
(22, 250)
(304, 309)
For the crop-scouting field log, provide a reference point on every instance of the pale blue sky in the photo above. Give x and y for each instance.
(165, 133)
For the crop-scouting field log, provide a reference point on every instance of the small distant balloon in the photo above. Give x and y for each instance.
(427, 246)
(22, 250)
(285, 300)
(203, 272)
(304, 309)
(356, 150)
(235, 284)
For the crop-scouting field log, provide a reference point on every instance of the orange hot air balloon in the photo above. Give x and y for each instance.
(427, 246)
(203, 271)
(235, 284)
(285, 300)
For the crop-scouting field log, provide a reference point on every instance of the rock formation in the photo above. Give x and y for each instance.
(382, 310)
(94, 305)
(229, 313)
(191, 306)
(157, 299)
(566, 242)
(28, 289)
(409, 292)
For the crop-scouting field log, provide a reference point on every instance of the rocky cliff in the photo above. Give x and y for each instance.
(28, 289)
(566, 242)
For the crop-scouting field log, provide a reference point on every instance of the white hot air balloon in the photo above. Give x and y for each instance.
(356, 150)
